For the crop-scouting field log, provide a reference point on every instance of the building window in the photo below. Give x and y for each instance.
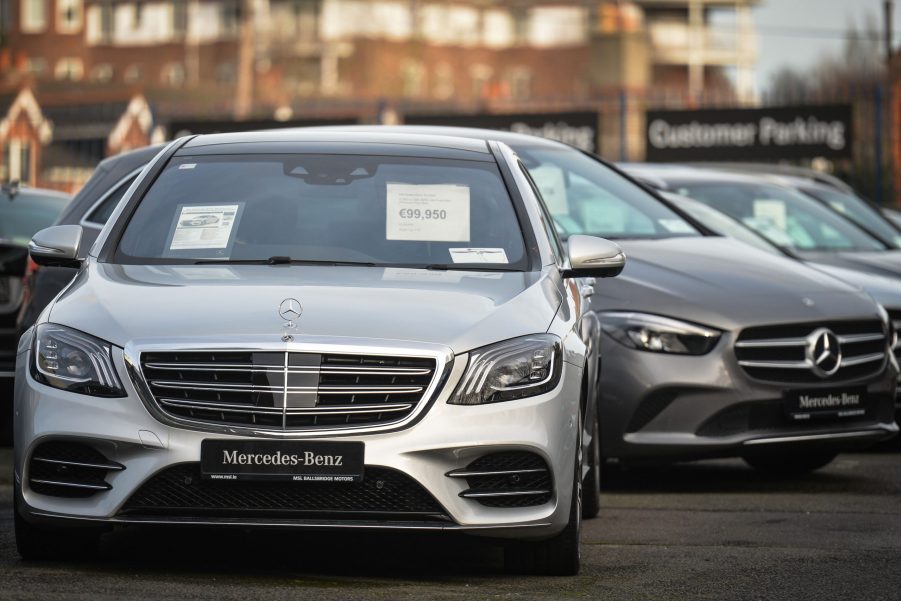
(69, 16)
(18, 160)
(231, 16)
(180, 18)
(444, 81)
(33, 16)
(481, 79)
(133, 73)
(35, 66)
(520, 82)
(174, 75)
(106, 21)
(225, 73)
(102, 73)
(70, 69)
(137, 15)
(413, 75)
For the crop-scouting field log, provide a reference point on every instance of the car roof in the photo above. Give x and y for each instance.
(799, 174)
(446, 131)
(109, 172)
(673, 175)
(258, 141)
(25, 191)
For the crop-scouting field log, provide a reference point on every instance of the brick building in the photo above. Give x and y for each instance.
(349, 59)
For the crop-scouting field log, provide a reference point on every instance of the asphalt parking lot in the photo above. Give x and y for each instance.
(713, 530)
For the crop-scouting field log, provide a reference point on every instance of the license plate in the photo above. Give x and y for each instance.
(300, 461)
(804, 405)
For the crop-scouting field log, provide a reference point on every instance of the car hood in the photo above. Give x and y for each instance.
(459, 310)
(725, 284)
(886, 290)
(885, 263)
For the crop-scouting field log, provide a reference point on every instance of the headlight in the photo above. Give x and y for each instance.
(509, 370)
(71, 360)
(657, 334)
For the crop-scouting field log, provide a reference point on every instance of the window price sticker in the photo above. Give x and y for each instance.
(427, 212)
(478, 255)
(203, 227)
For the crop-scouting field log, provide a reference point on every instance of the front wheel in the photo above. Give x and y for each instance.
(591, 487)
(790, 464)
(35, 543)
(557, 556)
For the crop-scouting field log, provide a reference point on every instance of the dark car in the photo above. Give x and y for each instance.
(23, 212)
(90, 209)
(712, 348)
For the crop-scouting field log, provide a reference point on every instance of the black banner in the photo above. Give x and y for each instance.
(765, 134)
(580, 129)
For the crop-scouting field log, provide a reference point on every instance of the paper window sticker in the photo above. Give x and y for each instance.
(676, 226)
(773, 211)
(203, 227)
(552, 185)
(427, 212)
(187, 165)
(603, 217)
(478, 255)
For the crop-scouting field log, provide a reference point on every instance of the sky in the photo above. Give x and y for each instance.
(797, 32)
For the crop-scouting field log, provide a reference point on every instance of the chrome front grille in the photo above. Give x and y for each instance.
(794, 353)
(287, 390)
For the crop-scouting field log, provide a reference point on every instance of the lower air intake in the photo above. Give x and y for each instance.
(507, 479)
(179, 491)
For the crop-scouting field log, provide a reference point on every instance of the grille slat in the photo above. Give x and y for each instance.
(290, 391)
(779, 353)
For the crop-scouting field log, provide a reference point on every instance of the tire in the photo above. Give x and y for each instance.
(591, 486)
(557, 556)
(36, 543)
(794, 464)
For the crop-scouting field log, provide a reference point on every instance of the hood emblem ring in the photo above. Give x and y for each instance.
(290, 310)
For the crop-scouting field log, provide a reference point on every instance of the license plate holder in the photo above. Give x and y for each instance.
(285, 460)
(808, 405)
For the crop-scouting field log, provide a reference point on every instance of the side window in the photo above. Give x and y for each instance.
(101, 213)
(546, 221)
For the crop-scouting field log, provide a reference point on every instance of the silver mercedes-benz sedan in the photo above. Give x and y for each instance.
(318, 331)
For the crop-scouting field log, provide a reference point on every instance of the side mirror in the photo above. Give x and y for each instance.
(57, 246)
(590, 256)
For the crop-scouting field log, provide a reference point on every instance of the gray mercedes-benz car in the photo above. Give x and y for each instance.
(711, 348)
(378, 331)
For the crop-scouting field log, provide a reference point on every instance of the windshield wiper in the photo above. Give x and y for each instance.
(281, 260)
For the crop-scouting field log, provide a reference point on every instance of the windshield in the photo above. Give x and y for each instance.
(373, 210)
(25, 214)
(721, 223)
(586, 197)
(858, 211)
(785, 217)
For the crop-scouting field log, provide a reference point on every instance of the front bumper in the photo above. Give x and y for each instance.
(659, 407)
(446, 438)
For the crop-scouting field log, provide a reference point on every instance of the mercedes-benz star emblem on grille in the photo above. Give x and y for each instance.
(824, 352)
(290, 310)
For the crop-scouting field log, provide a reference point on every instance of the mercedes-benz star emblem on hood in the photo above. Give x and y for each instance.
(290, 309)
